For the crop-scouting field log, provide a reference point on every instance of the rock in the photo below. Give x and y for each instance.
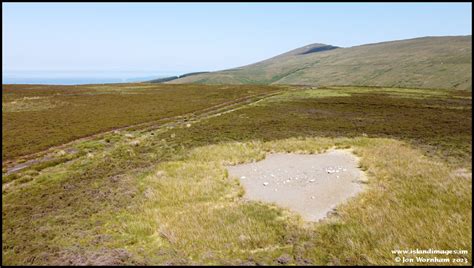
(188, 125)
(283, 259)
(312, 180)
(265, 183)
(243, 177)
(135, 143)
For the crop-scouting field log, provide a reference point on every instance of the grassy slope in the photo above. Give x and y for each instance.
(429, 62)
(35, 117)
(164, 196)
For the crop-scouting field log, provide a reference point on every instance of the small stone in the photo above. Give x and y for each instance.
(265, 183)
(283, 259)
(243, 177)
(312, 197)
(312, 180)
(188, 125)
(135, 142)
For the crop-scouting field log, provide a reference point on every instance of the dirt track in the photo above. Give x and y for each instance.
(13, 166)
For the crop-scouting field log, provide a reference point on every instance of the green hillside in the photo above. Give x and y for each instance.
(427, 62)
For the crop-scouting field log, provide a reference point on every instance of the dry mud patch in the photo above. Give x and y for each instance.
(312, 185)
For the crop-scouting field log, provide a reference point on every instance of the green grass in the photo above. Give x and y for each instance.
(164, 197)
(427, 62)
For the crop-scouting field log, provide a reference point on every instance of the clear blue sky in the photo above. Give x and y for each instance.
(191, 37)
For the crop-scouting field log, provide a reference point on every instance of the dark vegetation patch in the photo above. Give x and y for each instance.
(164, 79)
(171, 78)
(319, 49)
(441, 126)
(90, 109)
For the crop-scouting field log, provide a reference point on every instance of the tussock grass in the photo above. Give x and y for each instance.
(194, 208)
(188, 211)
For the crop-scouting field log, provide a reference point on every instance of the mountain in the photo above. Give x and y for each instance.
(426, 62)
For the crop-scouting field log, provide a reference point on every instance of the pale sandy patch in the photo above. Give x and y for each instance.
(310, 184)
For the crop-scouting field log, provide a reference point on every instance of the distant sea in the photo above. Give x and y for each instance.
(80, 77)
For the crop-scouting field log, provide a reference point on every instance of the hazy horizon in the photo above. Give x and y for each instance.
(77, 77)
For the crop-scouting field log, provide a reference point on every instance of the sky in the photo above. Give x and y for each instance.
(186, 37)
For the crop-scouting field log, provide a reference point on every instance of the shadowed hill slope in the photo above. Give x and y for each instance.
(427, 62)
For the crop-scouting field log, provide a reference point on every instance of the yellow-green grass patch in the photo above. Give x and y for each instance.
(194, 208)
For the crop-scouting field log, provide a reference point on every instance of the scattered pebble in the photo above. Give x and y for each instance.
(305, 181)
(243, 177)
(331, 170)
